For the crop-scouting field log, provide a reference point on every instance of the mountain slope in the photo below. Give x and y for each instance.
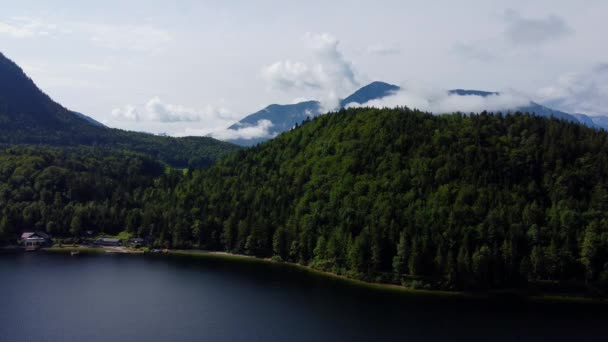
(394, 195)
(372, 91)
(65, 191)
(282, 117)
(28, 116)
(532, 108)
(90, 119)
(285, 117)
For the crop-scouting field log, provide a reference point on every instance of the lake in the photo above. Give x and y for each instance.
(135, 298)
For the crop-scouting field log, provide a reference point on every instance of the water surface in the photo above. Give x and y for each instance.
(135, 298)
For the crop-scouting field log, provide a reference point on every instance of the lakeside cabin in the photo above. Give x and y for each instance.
(137, 242)
(108, 242)
(33, 241)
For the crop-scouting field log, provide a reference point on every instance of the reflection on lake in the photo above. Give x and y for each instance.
(135, 298)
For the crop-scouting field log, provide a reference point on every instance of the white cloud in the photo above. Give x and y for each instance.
(582, 92)
(440, 101)
(14, 31)
(155, 110)
(260, 130)
(286, 75)
(329, 73)
(177, 120)
(26, 27)
(127, 112)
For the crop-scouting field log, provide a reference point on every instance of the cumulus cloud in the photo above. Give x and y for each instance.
(127, 112)
(329, 73)
(286, 75)
(155, 110)
(439, 101)
(532, 31)
(583, 92)
(178, 120)
(261, 130)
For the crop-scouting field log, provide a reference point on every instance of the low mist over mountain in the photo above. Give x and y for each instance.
(275, 119)
(29, 116)
(280, 118)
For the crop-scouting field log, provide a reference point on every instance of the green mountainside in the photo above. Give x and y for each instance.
(28, 116)
(392, 195)
(395, 195)
(67, 191)
(387, 195)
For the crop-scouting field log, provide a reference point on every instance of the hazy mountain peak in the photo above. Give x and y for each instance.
(284, 117)
(373, 91)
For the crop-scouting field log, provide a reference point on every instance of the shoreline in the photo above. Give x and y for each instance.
(489, 295)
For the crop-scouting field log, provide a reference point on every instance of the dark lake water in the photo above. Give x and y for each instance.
(135, 298)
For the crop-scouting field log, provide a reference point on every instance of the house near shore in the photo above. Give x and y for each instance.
(35, 240)
(108, 242)
(137, 242)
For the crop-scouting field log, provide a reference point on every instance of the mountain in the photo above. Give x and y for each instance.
(72, 189)
(282, 117)
(454, 202)
(285, 117)
(90, 119)
(29, 116)
(396, 195)
(533, 107)
(600, 120)
(372, 91)
(540, 110)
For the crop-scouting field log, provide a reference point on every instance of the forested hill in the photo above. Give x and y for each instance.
(481, 201)
(67, 191)
(387, 195)
(28, 116)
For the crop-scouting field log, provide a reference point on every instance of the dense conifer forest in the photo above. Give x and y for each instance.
(69, 191)
(389, 195)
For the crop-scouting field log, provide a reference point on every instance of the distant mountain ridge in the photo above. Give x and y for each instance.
(28, 116)
(373, 91)
(282, 117)
(533, 107)
(285, 117)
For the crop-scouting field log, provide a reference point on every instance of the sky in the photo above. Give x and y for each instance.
(196, 67)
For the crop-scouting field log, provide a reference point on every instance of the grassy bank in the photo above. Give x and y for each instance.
(70, 249)
(491, 295)
(500, 295)
(67, 250)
